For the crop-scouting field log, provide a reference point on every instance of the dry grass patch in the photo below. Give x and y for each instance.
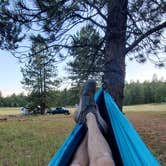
(145, 108)
(152, 128)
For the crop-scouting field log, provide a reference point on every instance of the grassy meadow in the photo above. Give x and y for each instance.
(145, 108)
(32, 140)
(9, 111)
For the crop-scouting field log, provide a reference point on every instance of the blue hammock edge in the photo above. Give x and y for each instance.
(139, 153)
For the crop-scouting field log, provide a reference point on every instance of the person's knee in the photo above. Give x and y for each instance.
(105, 160)
(79, 163)
(75, 164)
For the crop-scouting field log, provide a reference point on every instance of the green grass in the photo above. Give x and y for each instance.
(32, 140)
(9, 111)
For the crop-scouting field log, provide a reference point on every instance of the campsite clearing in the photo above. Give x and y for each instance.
(33, 140)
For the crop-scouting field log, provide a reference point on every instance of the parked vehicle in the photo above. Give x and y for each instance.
(59, 110)
(24, 111)
(33, 109)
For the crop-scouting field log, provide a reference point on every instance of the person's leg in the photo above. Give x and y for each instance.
(98, 149)
(81, 156)
(95, 145)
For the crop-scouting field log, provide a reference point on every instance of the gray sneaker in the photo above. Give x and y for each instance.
(87, 104)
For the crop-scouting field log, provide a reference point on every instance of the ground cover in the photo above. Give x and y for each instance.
(32, 140)
(152, 128)
(9, 111)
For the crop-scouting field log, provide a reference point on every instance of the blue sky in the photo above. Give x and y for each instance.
(10, 75)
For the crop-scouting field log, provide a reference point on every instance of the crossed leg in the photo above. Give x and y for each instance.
(98, 149)
(81, 156)
(93, 150)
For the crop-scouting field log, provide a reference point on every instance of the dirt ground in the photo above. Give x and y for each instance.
(152, 128)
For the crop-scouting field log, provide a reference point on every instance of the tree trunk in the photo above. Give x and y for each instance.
(114, 65)
(43, 92)
(43, 108)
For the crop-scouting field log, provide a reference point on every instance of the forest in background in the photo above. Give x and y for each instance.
(146, 92)
(134, 93)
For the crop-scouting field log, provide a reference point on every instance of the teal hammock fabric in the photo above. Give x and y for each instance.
(127, 146)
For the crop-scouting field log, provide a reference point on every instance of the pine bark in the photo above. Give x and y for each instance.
(114, 66)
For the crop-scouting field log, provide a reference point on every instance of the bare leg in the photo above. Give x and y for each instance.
(98, 149)
(81, 155)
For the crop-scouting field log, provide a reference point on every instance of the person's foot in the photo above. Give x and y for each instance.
(86, 101)
(87, 104)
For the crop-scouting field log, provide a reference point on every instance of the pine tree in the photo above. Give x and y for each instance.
(88, 60)
(132, 28)
(39, 74)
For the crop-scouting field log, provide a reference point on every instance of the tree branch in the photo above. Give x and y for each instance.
(143, 36)
(97, 9)
(90, 19)
(134, 22)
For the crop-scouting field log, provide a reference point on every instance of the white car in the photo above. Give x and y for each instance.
(23, 111)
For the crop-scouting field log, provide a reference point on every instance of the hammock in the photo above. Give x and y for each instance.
(127, 146)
